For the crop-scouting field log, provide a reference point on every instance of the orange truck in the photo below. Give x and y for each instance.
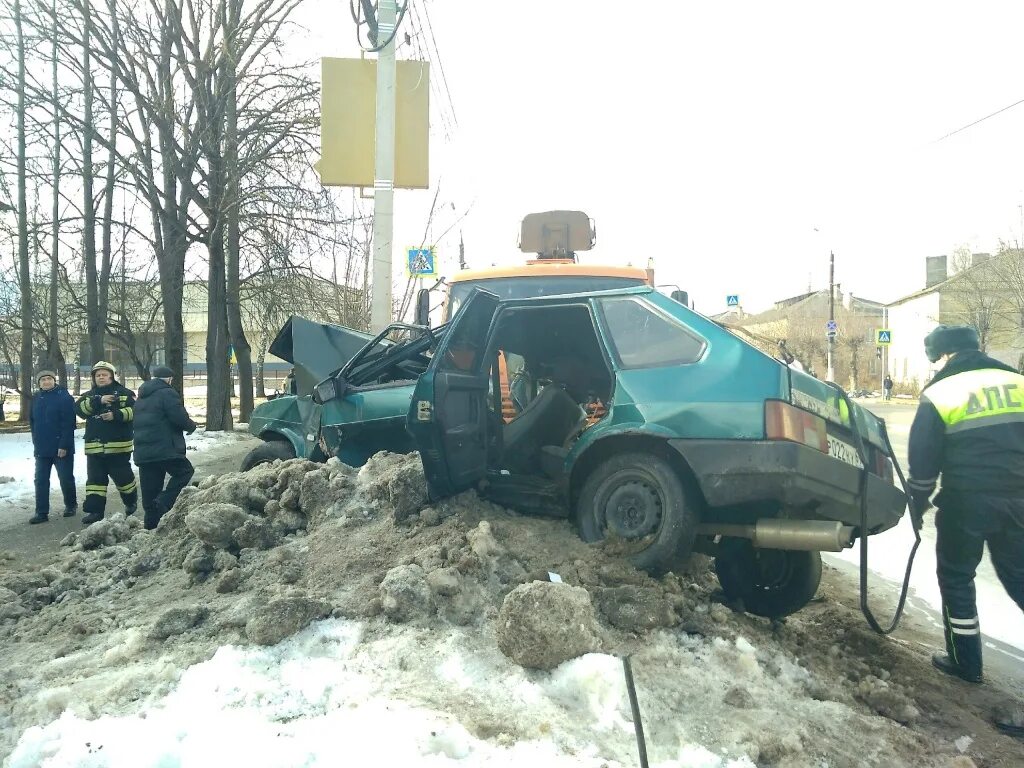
(553, 238)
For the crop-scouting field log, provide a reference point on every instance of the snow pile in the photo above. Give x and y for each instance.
(311, 614)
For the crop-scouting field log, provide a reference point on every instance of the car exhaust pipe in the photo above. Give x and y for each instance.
(772, 533)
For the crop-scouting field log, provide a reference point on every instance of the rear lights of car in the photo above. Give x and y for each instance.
(883, 466)
(783, 421)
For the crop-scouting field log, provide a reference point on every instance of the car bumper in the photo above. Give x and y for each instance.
(805, 481)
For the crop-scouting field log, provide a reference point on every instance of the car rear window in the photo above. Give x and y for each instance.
(645, 338)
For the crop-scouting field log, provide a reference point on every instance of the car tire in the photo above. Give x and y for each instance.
(272, 450)
(640, 499)
(771, 582)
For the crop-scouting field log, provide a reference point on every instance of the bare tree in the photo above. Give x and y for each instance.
(24, 277)
(54, 350)
(975, 296)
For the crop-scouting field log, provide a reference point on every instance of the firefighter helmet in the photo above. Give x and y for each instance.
(950, 339)
(103, 365)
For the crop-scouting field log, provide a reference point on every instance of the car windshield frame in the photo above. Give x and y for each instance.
(380, 353)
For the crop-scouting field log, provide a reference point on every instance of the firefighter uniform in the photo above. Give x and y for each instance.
(108, 446)
(969, 429)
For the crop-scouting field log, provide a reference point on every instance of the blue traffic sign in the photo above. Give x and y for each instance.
(732, 300)
(884, 337)
(831, 326)
(420, 262)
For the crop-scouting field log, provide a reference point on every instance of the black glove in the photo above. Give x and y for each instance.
(919, 504)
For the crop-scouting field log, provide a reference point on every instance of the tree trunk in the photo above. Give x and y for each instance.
(24, 277)
(103, 294)
(94, 320)
(218, 364)
(218, 367)
(243, 353)
(261, 356)
(55, 352)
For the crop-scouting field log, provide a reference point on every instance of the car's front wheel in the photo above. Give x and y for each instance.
(770, 582)
(272, 450)
(639, 502)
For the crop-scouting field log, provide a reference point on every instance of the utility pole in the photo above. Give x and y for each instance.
(830, 373)
(384, 168)
(885, 350)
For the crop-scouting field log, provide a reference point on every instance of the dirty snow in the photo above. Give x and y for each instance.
(315, 615)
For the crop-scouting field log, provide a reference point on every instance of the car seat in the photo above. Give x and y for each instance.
(549, 419)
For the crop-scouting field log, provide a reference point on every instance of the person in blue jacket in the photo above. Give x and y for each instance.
(52, 420)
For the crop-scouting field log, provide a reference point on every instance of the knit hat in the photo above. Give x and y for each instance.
(162, 372)
(104, 365)
(40, 375)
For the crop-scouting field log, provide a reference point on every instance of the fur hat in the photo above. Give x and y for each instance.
(51, 374)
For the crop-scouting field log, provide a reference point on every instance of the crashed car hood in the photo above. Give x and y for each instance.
(316, 349)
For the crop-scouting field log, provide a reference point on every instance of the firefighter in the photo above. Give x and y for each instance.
(108, 410)
(969, 429)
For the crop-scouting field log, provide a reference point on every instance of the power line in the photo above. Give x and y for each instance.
(440, 66)
(986, 117)
(445, 106)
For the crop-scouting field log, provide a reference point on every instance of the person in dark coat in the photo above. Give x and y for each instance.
(52, 420)
(108, 409)
(160, 419)
(969, 429)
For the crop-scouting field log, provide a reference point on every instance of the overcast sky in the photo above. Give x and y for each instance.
(717, 137)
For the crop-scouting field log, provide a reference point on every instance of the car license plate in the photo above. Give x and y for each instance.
(837, 449)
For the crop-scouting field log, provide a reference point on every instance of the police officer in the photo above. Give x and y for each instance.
(969, 429)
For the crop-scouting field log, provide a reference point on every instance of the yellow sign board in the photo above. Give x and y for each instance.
(348, 94)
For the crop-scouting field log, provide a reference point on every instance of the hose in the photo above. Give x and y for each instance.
(862, 453)
(638, 726)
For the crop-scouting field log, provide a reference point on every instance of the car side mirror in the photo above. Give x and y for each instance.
(329, 389)
(681, 296)
(422, 316)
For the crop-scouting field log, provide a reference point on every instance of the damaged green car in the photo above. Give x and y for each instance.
(634, 417)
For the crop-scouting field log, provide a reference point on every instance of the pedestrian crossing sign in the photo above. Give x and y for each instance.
(421, 262)
(884, 337)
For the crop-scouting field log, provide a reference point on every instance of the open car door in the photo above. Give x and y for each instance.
(448, 417)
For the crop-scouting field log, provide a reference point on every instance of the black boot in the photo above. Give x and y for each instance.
(70, 510)
(946, 664)
(92, 517)
(963, 649)
(131, 508)
(38, 518)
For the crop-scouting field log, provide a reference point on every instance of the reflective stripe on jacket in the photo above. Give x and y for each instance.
(970, 429)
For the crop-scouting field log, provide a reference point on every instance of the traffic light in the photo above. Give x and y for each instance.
(878, 352)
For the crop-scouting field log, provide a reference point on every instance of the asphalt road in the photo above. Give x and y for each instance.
(1002, 622)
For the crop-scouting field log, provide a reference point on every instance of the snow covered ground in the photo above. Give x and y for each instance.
(17, 465)
(717, 689)
(328, 698)
(105, 673)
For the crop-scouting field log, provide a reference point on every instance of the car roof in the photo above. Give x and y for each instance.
(639, 290)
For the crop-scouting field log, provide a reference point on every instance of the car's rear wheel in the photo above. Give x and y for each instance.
(272, 450)
(640, 503)
(770, 582)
